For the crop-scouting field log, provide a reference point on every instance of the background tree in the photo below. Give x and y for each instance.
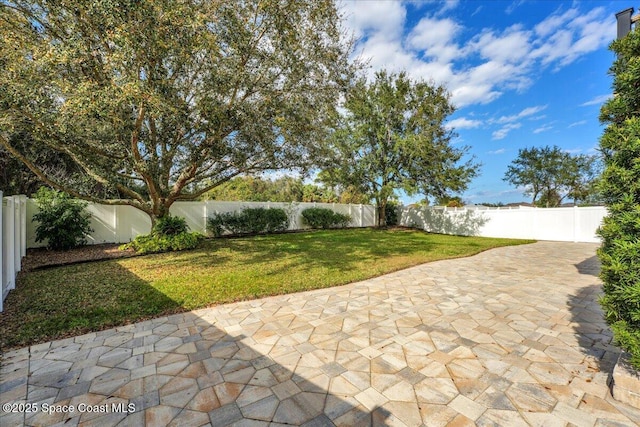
(151, 99)
(620, 189)
(256, 189)
(333, 194)
(549, 175)
(450, 201)
(284, 189)
(582, 175)
(392, 137)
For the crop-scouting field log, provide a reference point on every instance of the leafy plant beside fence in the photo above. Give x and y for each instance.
(63, 222)
(170, 233)
(248, 221)
(325, 218)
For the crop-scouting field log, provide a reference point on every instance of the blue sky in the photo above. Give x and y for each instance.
(522, 73)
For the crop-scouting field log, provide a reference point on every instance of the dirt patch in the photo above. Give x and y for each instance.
(41, 258)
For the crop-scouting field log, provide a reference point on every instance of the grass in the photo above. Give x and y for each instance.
(66, 301)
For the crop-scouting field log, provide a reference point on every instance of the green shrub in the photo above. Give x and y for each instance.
(170, 226)
(216, 223)
(620, 188)
(248, 221)
(154, 243)
(391, 213)
(63, 221)
(324, 218)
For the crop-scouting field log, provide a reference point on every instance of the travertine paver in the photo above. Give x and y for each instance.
(513, 336)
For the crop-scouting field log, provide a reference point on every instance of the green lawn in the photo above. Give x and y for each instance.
(72, 300)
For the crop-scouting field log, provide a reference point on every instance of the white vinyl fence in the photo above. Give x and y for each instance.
(569, 224)
(13, 241)
(120, 224)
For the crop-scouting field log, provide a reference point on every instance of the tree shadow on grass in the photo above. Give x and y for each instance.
(80, 298)
(227, 270)
(252, 361)
(341, 250)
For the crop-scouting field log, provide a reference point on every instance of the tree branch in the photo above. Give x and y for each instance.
(44, 178)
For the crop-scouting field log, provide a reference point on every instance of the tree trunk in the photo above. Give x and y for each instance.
(382, 216)
(160, 210)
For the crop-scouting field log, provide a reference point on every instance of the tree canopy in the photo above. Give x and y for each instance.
(392, 136)
(549, 175)
(150, 100)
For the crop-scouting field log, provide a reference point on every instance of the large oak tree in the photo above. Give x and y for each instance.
(393, 136)
(151, 100)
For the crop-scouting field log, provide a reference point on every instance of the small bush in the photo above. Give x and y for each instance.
(154, 243)
(391, 213)
(63, 221)
(170, 226)
(249, 221)
(325, 218)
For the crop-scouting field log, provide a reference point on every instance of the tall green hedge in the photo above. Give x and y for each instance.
(324, 218)
(620, 186)
(248, 221)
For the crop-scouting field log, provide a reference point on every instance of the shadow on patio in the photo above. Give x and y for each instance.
(182, 370)
(593, 334)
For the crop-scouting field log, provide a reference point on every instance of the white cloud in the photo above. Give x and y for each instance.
(473, 94)
(504, 131)
(485, 67)
(386, 17)
(529, 111)
(434, 38)
(498, 151)
(463, 123)
(542, 129)
(597, 100)
(448, 5)
(511, 46)
(581, 33)
(513, 6)
(580, 123)
(552, 23)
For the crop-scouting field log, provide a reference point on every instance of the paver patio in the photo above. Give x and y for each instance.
(512, 336)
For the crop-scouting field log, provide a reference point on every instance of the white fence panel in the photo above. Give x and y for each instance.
(573, 224)
(514, 223)
(13, 244)
(194, 213)
(130, 222)
(103, 222)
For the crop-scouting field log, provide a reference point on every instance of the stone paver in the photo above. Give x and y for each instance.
(512, 336)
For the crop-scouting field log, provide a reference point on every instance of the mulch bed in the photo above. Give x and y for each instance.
(42, 258)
